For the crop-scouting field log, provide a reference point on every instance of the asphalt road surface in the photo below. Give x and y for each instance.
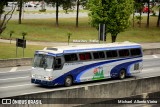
(16, 80)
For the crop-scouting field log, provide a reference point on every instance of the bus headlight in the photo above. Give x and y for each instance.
(33, 76)
(48, 78)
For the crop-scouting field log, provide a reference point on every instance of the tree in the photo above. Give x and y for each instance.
(148, 1)
(83, 3)
(114, 13)
(5, 17)
(139, 7)
(158, 21)
(56, 3)
(67, 4)
(77, 15)
(20, 4)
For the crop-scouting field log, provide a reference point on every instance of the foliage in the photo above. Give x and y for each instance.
(139, 18)
(114, 13)
(158, 21)
(42, 10)
(6, 17)
(83, 3)
(68, 4)
(24, 33)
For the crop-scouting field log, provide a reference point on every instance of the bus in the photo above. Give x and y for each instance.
(65, 65)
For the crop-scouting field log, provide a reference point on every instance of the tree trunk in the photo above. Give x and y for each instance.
(43, 5)
(133, 19)
(140, 18)
(0, 17)
(77, 13)
(20, 12)
(158, 21)
(114, 36)
(148, 14)
(57, 4)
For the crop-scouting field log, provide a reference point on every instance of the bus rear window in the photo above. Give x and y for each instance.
(135, 52)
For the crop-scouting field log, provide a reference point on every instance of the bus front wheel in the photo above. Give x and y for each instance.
(68, 81)
(122, 74)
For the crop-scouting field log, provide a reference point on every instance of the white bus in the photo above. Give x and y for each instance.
(65, 65)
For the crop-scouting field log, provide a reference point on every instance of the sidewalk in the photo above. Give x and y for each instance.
(144, 45)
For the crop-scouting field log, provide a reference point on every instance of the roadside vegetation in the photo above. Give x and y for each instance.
(46, 30)
(9, 51)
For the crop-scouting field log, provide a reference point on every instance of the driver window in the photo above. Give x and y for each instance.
(58, 63)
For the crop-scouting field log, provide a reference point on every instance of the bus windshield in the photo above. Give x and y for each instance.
(43, 61)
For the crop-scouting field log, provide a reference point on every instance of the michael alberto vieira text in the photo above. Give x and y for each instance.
(137, 101)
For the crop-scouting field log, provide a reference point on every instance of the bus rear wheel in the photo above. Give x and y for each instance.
(122, 74)
(68, 81)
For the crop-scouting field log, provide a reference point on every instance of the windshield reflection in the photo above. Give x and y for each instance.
(43, 61)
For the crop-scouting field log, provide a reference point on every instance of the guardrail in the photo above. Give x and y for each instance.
(28, 61)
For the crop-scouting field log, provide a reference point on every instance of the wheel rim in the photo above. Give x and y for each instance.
(68, 81)
(122, 74)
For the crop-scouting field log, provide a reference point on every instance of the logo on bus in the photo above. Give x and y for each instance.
(98, 73)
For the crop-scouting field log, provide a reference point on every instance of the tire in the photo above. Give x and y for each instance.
(122, 74)
(68, 81)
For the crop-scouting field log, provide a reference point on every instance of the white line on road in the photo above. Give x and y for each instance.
(16, 71)
(16, 86)
(13, 69)
(155, 56)
(145, 70)
(14, 78)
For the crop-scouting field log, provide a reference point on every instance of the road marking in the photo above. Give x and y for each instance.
(16, 86)
(147, 70)
(14, 78)
(16, 71)
(155, 56)
(13, 69)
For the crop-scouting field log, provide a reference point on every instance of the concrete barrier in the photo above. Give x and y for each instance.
(100, 91)
(28, 61)
(151, 51)
(15, 62)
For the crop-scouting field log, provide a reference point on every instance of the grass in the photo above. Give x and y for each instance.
(9, 51)
(46, 30)
(47, 11)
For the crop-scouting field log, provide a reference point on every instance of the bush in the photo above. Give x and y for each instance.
(42, 10)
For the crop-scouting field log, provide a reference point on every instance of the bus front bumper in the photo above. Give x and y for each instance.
(42, 82)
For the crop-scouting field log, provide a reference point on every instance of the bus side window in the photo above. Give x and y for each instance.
(98, 55)
(85, 56)
(123, 53)
(111, 54)
(81, 57)
(135, 52)
(70, 57)
(58, 64)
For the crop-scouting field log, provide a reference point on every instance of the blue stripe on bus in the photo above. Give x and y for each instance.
(101, 49)
(125, 66)
(77, 73)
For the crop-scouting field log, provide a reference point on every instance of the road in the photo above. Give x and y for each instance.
(46, 15)
(16, 80)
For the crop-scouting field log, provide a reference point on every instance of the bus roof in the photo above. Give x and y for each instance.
(90, 47)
